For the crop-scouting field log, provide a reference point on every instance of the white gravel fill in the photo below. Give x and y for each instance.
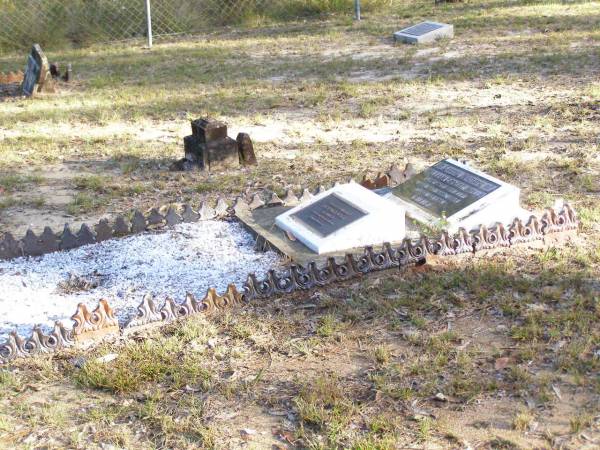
(188, 258)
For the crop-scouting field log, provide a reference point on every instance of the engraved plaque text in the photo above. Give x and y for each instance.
(444, 189)
(328, 215)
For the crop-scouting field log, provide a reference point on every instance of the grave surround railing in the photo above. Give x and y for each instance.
(90, 326)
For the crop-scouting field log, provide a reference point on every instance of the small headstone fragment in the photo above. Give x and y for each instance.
(68, 75)
(246, 150)
(54, 70)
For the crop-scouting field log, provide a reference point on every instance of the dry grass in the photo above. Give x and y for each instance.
(361, 365)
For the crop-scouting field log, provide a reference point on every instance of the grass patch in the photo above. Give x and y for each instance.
(84, 203)
(159, 360)
(7, 202)
(14, 182)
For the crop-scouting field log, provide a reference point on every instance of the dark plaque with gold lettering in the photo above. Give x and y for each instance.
(328, 215)
(444, 189)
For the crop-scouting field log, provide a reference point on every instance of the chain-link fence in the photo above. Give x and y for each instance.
(54, 23)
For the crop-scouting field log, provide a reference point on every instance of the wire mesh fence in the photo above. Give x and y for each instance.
(55, 23)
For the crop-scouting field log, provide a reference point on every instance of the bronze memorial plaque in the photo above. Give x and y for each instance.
(328, 215)
(444, 189)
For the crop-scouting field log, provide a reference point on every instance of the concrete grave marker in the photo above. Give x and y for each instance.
(37, 73)
(328, 215)
(210, 148)
(424, 32)
(344, 217)
(450, 194)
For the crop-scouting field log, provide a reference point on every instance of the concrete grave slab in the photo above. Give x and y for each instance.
(424, 32)
(344, 217)
(451, 195)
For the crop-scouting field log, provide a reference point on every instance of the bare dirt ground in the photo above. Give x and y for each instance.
(499, 352)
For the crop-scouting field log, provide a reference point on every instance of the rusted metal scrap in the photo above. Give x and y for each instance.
(96, 324)
(17, 347)
(11, 77)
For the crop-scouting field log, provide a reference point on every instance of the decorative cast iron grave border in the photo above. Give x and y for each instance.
(125, 225)
(89, 326)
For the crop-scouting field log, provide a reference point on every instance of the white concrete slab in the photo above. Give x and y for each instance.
(451, 195)
(424, 32)
(344, 217)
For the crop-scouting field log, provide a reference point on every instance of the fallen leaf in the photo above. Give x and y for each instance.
(502, 363)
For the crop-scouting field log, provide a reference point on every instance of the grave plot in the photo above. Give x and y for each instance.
(188, 258)
(471, 211)
(347, 231)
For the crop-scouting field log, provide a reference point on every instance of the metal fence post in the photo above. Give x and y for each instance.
(357, 9)
(149, 23)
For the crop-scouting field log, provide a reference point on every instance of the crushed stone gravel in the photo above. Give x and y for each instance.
(187, 258)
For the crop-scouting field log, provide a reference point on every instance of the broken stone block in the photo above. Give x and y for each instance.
(209, 148)
(208, 130)
(246, 150)
(191, 148)
(37, 74)
(220, 155)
